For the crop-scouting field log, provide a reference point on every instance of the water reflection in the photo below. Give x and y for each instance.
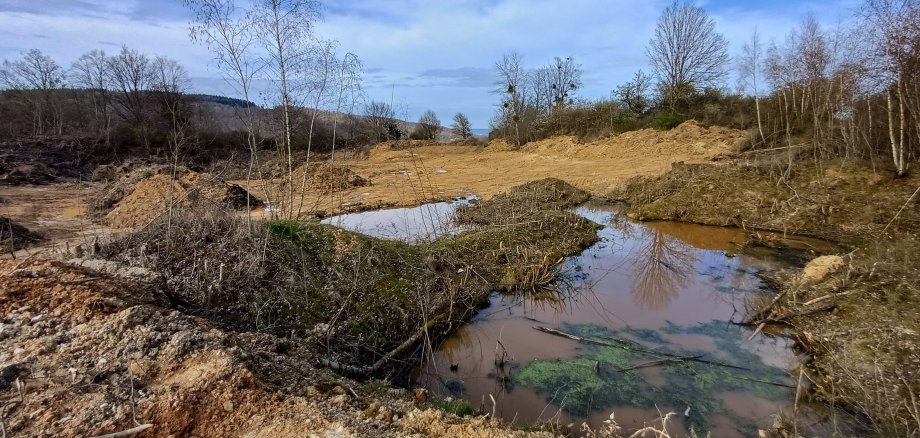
(648, 282)
(662, 266)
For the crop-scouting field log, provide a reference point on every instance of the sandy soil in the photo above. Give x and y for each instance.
(408, 173)
(85, 350)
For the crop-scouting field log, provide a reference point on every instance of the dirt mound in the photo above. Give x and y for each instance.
(144, 194)
(500, 145)
(14, 236)
(324, 177)
(690, 138)
(329, 178)
(821, 267)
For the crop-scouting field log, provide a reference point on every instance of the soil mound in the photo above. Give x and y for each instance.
(329, 178)
(500, 145)
(14, 236)
(144, 194)
(690, 138)
(325, 178)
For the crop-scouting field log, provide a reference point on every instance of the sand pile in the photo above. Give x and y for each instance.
(143, 195)
(500, 145)
(687, 139)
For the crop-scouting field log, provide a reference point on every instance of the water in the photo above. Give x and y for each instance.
(413, 225)
(667, 288)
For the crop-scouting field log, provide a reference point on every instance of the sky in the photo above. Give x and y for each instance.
(417, 54)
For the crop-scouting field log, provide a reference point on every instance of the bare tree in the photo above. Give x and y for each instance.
(36, 77)
(429, 125)
(461, 126)
(284, 28)
(566, 80)
(686, 52)
(170, 81)
(228, 32)
(381, 117)
(749, 67)
(511, 85)
(896, 38)
(90, 72)
(634, 95)
(130, 75)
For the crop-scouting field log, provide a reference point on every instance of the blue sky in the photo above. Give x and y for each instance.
(421, 54)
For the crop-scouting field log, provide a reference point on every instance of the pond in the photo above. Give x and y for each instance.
(656, 302)
(415, 224)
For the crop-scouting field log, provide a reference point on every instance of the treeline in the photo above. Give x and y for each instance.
(848, 92)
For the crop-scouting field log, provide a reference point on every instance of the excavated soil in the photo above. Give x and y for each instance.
(88, 350)
(408, 173)
(144, 195)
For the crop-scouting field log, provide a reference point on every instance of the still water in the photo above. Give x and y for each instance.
(656, 300)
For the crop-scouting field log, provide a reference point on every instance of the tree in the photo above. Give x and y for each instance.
(749, 66)
(229, 33)
(36, 78)
(429, 125)
(90, 72)
(284, 28)
(686, 52)
(895, 34)
(130, 75)
(382, 121)
(510, 84)
(566, 80)
(461, 126)
(634, 94)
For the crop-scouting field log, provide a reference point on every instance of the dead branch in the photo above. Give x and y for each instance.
(126, 432)
(632, 346)
(660, 362)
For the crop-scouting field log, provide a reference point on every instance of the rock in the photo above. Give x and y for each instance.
(821, 267)
(228, 406)
(421, 394)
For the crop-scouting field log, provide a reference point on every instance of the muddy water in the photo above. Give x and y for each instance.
(416, 224)
(665, 287)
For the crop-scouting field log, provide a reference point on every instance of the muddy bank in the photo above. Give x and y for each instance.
(858, 319)
(14, 236)
(85, 352)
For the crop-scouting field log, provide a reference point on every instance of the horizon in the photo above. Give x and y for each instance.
(416, 55)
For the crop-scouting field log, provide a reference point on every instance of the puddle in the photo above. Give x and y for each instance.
(413, 225)
(666, 288)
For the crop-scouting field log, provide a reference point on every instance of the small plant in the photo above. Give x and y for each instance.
(458, 407)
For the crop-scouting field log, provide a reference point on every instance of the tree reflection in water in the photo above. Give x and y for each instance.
(662, 266)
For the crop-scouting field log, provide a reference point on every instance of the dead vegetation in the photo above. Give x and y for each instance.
(366, 302)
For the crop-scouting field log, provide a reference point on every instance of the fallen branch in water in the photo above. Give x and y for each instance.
(660, 362)
(766, 382)
(784, 318)
(632, 346)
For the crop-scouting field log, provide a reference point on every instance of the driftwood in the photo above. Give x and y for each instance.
(632, 346)
(783, 318)
(367, 370)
